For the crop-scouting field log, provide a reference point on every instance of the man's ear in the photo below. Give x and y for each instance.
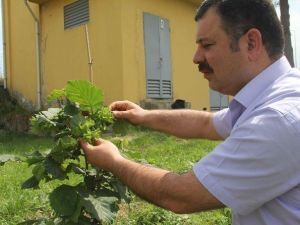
(254, 44)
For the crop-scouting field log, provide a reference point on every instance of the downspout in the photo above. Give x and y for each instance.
(38, 55)
(90, 59)
(4, 45)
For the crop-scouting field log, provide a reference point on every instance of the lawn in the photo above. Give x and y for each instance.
(158, 149)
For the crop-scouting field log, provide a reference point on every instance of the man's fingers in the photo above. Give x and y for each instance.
(120, 114)
(99, 141)
(119, 106)
(85, 145)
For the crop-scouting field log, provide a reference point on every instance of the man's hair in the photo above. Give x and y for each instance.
(238, 16)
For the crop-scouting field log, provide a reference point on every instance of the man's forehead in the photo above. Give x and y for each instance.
(208, 26)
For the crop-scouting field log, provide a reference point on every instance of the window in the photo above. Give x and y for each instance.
(76, 13)
(218, 101)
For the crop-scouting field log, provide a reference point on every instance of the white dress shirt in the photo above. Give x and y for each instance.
(255, 171)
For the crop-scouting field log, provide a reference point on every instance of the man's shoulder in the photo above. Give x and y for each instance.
(283, 95)
(283, 113)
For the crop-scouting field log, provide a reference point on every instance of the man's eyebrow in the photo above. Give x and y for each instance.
(201, 40)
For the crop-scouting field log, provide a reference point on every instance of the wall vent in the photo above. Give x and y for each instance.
(76, 13)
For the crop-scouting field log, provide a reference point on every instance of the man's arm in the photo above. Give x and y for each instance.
(182, 123)
(178, 193)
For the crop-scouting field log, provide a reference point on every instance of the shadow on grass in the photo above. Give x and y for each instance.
(22, 143)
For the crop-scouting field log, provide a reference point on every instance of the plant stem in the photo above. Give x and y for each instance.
(86, 162)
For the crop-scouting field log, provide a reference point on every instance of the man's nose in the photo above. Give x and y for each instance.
(198, 56)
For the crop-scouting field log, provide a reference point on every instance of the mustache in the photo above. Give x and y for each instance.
(205, 67)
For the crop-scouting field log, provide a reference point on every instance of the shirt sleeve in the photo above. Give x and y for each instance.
(257, 163)
(222, 122)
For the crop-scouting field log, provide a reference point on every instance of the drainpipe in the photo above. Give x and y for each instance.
(38, 55)
(4, 46)
(90, 59)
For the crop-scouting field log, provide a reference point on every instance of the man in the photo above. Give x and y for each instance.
(255, 171)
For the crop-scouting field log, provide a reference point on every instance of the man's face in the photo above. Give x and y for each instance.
(224, 68)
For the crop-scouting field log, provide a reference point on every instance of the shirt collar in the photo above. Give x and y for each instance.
(250, 91)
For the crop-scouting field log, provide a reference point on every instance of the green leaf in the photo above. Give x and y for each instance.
(35, 157)
(62, 148)
(39, 171)
(51, 113)
(64, 200)
(54, 169)
(75, 125)
(121, 190)
(56, 94)
(5, 158)
(71, 109)
(44, 121)
(99, 205)
(103, 118)
(32, 182)
(67, 143)
(88, 96)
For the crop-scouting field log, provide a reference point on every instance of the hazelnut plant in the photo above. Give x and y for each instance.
(80, 115)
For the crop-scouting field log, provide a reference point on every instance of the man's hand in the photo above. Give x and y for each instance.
(128, 110)
(103, 154)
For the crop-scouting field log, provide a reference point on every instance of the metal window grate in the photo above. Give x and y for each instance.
(76, 13)
(166, 88)
(159, 89)
(153, 87)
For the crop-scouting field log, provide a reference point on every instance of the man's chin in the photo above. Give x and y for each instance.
(207, 76)
(212, 86)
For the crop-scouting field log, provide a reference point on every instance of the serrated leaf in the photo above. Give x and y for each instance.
(88, 96)
(56, 94)
(53, 168)
(32, 182)
(122, 190)
(100, 206)
(43, 122)
(64, 200)
(62, 148)
(51, 113)
(103, 118)
(35, 157)
(71, 109)
(67, 143)
(75, 123)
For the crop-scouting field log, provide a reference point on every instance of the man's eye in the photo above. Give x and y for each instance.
(207, 46)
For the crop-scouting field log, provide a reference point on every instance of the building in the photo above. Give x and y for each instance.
(140, 50)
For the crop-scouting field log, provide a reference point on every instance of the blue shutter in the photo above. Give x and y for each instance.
(165, 62)
(218, 101)
(157, 56)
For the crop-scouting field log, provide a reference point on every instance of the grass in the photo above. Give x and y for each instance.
(143, 145)
(22, 143)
